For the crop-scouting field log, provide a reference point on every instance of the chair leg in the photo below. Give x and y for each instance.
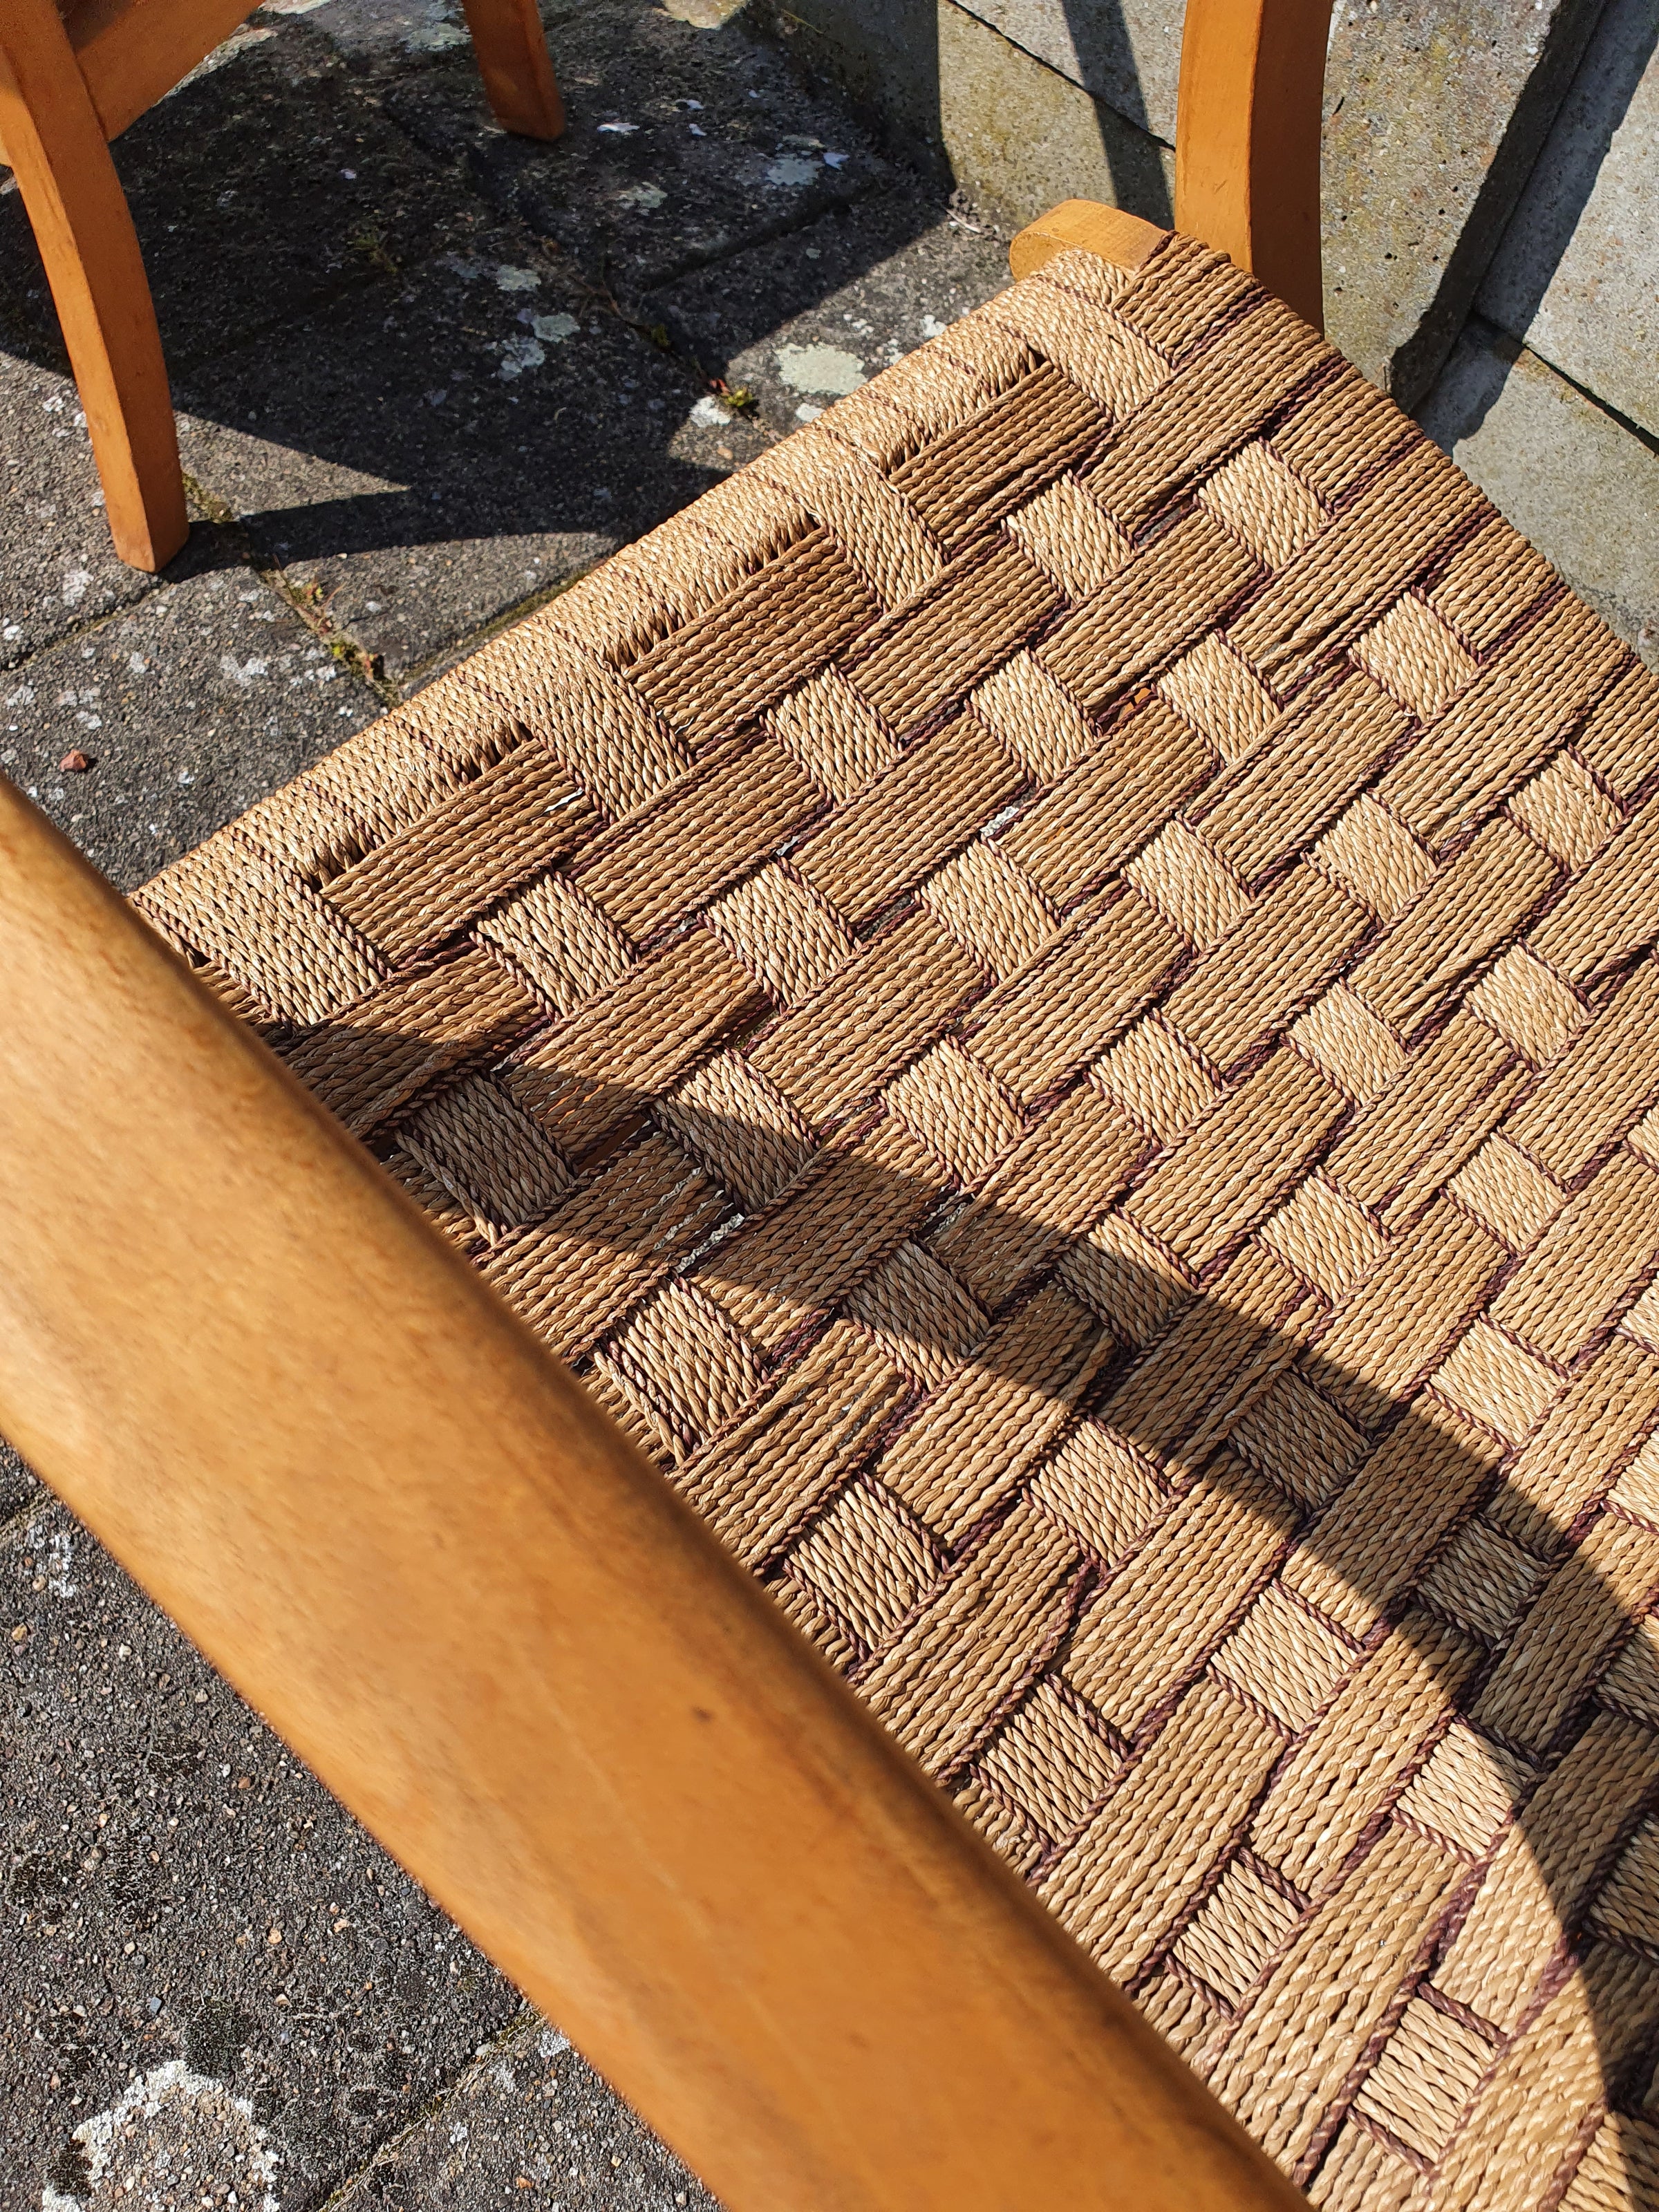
(57, 152)
(516, 67)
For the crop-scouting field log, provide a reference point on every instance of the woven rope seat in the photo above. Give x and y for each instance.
(1048, 994)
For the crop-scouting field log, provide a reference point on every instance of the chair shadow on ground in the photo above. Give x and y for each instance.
(307, 321)
(1379, 1532)
(1451, 1557)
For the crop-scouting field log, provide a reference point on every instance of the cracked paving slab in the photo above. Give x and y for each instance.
(259, 190)
(527, 2115)
(189, 706)
(527, 2122)
(435, 457)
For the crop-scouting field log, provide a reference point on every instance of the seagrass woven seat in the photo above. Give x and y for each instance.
(1046, 995)
(1049, 997)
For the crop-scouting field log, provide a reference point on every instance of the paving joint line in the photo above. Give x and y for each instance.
(86, 626)
(518, 2030)
(183, 365)
(13, 1525)
(306, 602)
(785, 226)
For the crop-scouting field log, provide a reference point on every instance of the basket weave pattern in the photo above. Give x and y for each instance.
(1047, 993)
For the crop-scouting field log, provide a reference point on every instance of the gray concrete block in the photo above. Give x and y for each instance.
(1127, 52)
(190, 706)
(957, 93)
(1584, 489)
(1436, 110)
(183, 1900)
(1577, 276)
(1019, 137)
(58, 569)
(526, 2122)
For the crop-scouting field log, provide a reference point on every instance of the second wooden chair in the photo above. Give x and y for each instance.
(72, 79)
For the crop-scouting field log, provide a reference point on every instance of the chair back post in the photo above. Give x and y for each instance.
(1247, 139)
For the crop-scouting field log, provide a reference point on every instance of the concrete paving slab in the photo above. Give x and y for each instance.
(58, 569)
(419, 527)
(1127, 52)
(18, 1487)
(527, 2122)
(1577, 276)
(180, 1892)
(684, 145)
(385, 31)
(1436, 110)
(262, 189)
(802, 320)
(189, 706)
(439, 452)
(1581, 485)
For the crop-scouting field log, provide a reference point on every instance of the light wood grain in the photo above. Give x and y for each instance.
(132, 52)
(1111, 233)
(404, 1534)
(55, 143)
(516, 68)
(1247, 139)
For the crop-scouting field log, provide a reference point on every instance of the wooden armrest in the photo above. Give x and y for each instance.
(1247, 139)
(399, 1527)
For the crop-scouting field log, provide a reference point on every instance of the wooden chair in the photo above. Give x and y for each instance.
(1047, 994)
(72, 77)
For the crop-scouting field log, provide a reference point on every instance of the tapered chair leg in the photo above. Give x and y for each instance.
(57, 149)
(516, 67)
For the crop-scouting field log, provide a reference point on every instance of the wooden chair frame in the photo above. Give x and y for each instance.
(591, 1737)
(71, 82)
